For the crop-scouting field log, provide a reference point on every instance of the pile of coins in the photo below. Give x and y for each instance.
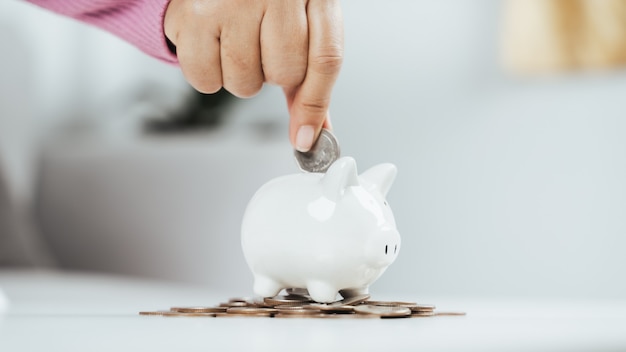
(302, 306)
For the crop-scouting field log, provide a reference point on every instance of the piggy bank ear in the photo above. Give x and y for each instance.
(380, 177)
(341, 175)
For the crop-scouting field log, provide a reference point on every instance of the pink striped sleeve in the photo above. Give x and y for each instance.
(139, 22)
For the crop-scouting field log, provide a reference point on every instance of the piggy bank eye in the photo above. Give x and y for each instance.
(386, 204)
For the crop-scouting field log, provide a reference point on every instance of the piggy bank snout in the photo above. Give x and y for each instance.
(382, 248)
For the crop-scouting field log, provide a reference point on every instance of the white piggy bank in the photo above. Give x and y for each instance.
(321, 232)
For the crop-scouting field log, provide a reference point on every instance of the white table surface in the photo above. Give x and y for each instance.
(53, 311)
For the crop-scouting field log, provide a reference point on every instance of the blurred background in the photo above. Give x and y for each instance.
(506, 120)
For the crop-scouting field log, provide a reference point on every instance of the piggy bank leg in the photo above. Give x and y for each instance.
(321, 291)
(266, 287)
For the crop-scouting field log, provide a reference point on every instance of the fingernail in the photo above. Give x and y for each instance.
(304, 138)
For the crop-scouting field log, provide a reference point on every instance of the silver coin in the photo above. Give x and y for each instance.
(351, 301)
(291, 310)
(289, 299)
(323, 154)
(452, 314)
(243, 315)
(158, 312)
(422, 308)
(178, 314)
(242, 299)
(251, 310)
(422, 314)
(330, 308)
(298, 292)
(383, 311)
(410, 305)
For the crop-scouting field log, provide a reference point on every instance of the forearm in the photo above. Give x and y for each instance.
(139, 22)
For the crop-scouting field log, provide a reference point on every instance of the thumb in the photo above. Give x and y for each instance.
(308, 104)
(307, 118)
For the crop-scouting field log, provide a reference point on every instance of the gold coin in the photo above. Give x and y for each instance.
(450, 313)
(234, 304)
(243, 315)
(422, 309)
(243, 301)
(251, 310)
(277, 300)
(294, 305)
(159, 312)
(297, 310)
(330, 308)
(180, 314)
(198, 309)
(391, 304)
(422, 314)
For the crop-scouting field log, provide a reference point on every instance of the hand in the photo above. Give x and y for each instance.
(240, 44)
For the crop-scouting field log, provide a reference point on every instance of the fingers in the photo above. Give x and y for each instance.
(296, 44)
(284, 43)
(309, 103)
(197, 47)
(242, 73)
(217, 44)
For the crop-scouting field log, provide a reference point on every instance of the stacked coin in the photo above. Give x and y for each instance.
(301, 305)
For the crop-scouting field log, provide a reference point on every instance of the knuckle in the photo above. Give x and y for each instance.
(242, 75)
(317, 106)
(327, 61)
(244, 89)
(199, 8)
(202, 77)
(238, 62)
(206, 87)
(285, 76)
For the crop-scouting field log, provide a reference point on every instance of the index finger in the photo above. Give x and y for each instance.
(309, 106)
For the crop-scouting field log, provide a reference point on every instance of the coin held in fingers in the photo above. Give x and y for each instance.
(324, 153)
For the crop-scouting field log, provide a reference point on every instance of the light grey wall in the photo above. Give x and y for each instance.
(506, 185)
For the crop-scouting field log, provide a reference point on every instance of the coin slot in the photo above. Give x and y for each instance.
(395, 249)
(386, 249)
